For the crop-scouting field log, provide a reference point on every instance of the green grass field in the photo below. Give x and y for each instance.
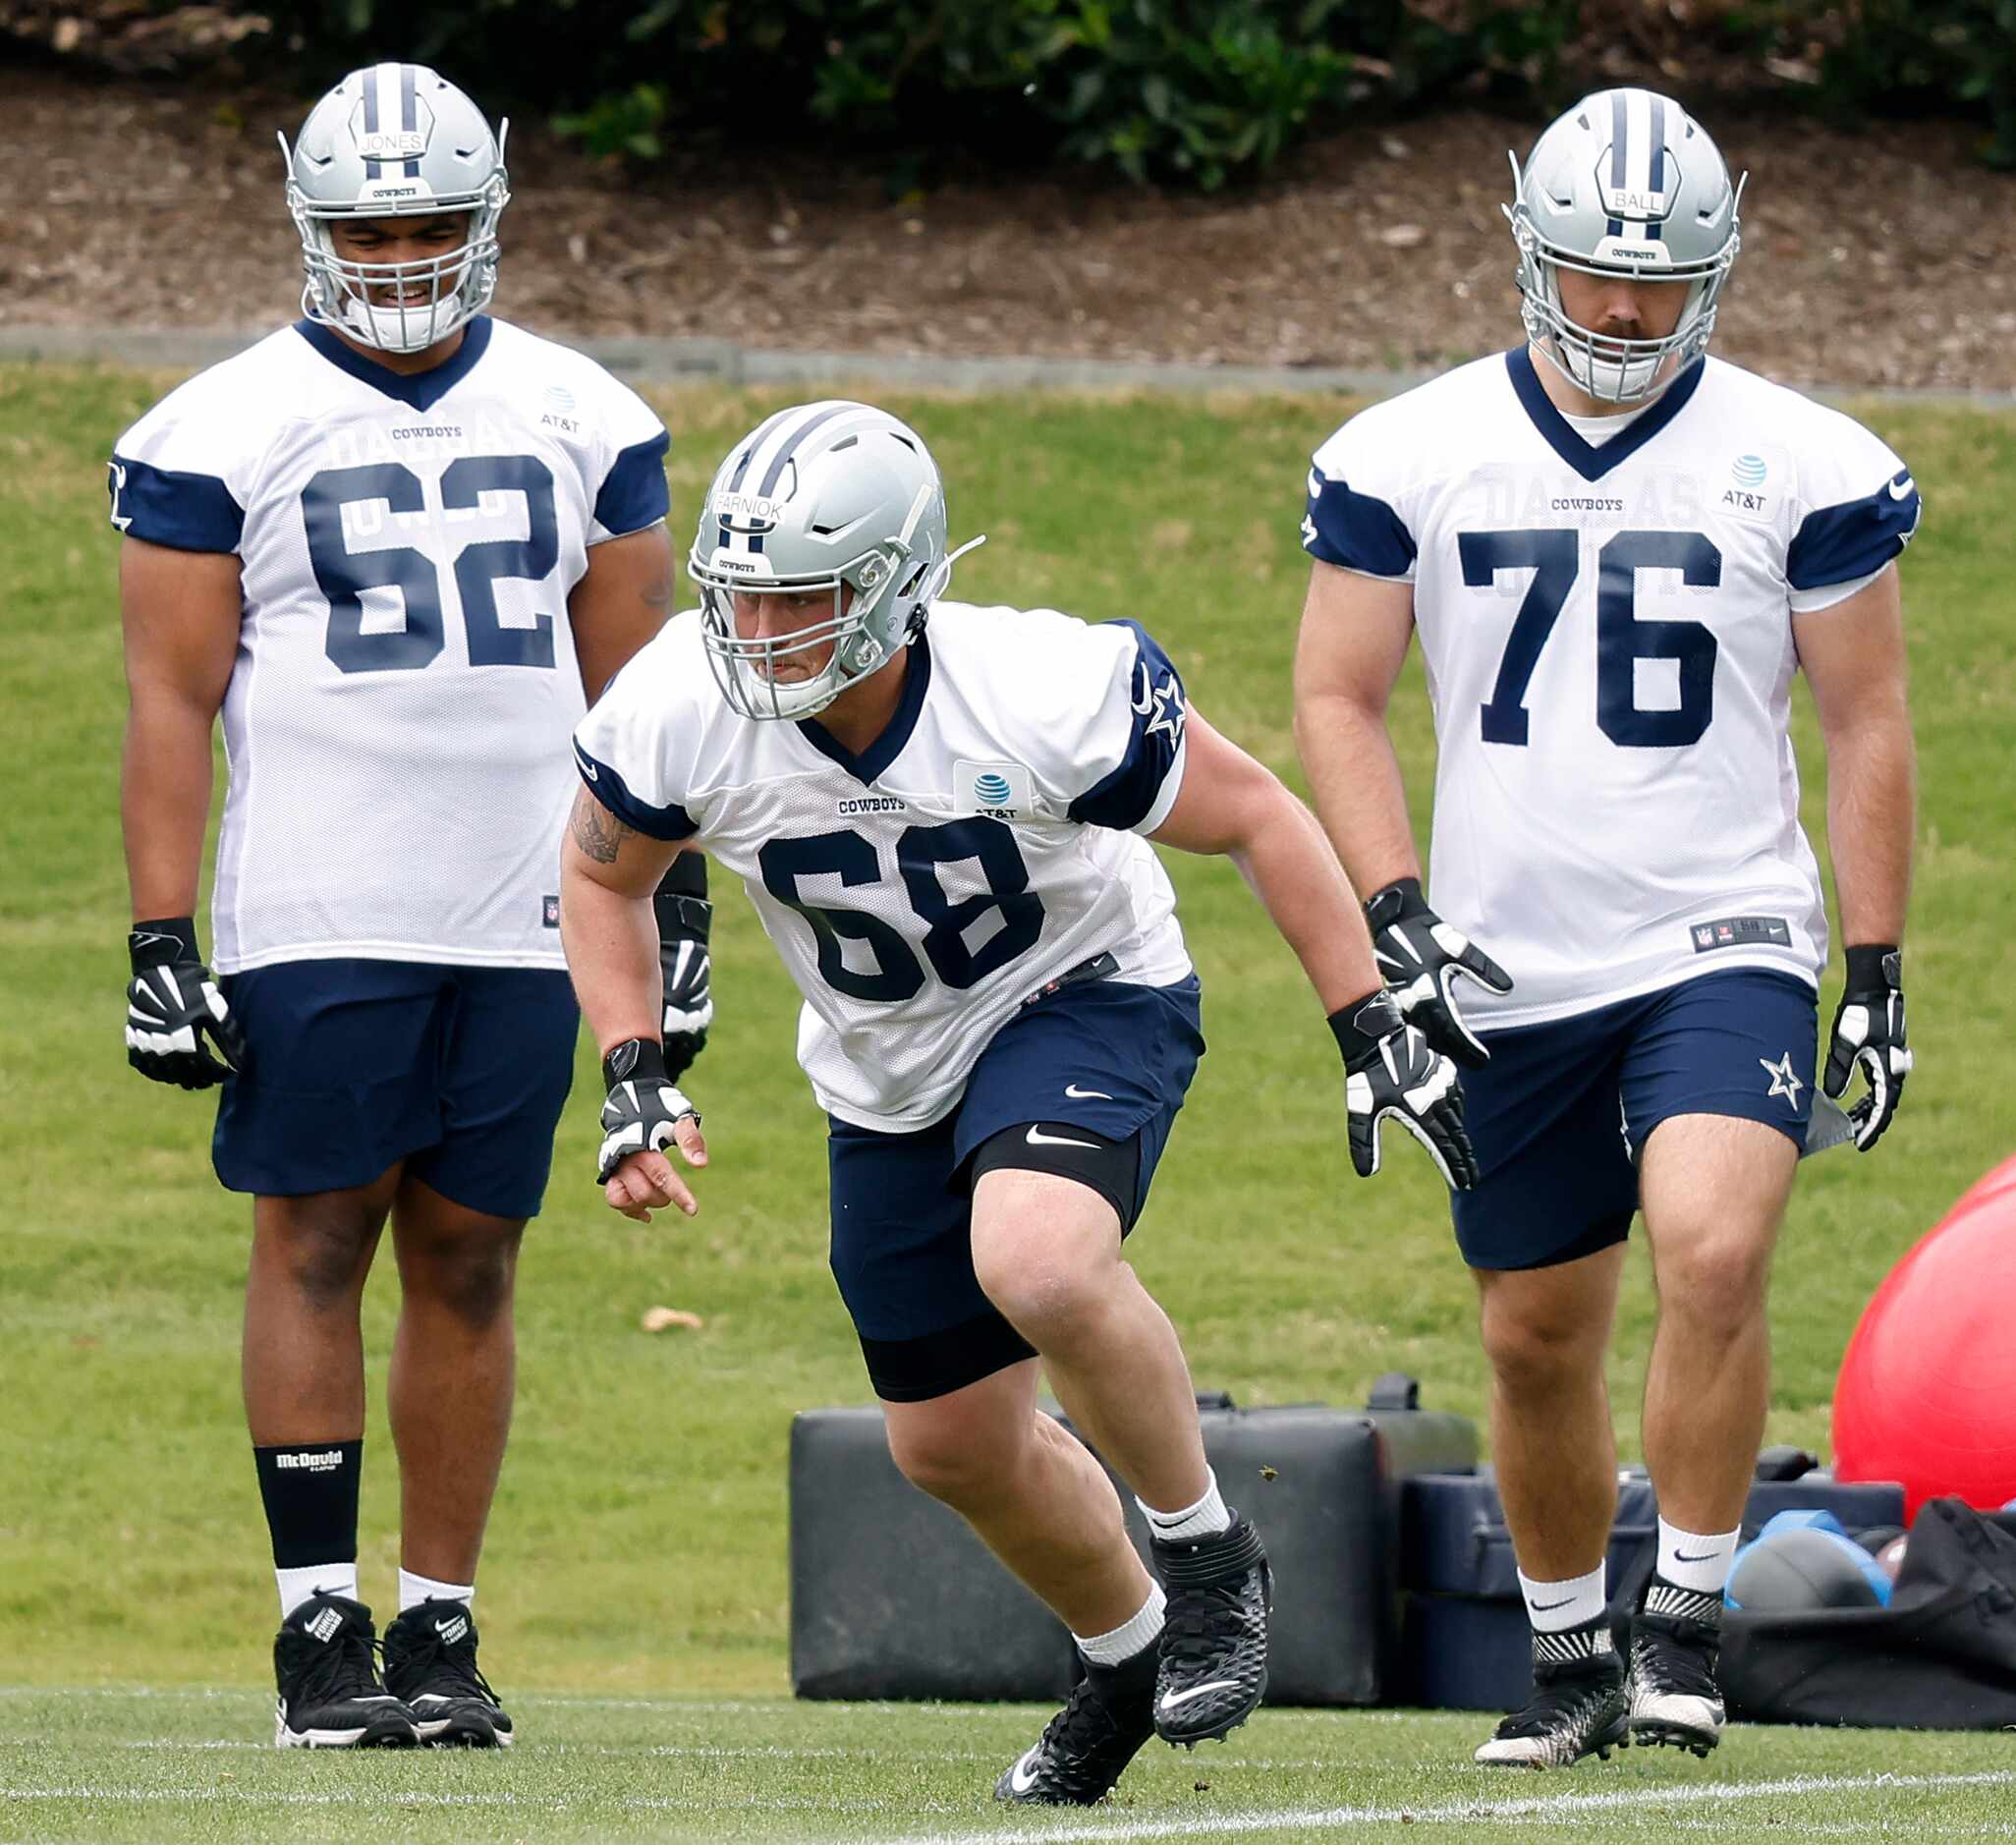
(634, 1577)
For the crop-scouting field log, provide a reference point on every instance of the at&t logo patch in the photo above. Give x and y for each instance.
(1001, 791)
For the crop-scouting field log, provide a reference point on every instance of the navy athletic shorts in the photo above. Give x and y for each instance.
(1103, 1055)
(1561, 1112)
(354, 1065)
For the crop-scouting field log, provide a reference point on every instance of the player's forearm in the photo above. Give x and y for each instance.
(1286, 859)
(164, 803)
(1872, 817)
(1354, 778)
(611, 943)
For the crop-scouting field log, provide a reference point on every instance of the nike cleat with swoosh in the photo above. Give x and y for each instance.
(1084, 1747)
(430, 1660)
(1214, 1635)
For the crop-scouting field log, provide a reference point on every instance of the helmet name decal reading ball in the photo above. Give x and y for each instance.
(396, 140)
(835, 497)
(1625, 183)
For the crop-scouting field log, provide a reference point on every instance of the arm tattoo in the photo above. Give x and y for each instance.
(596, 831)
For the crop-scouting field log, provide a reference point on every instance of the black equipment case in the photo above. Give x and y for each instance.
(893, 1597)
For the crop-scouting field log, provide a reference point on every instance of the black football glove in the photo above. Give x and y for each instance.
(644, 1107)
(684, 925)
(1868, 1034)
(172, 1005)
(1423, 958)
(1392, 1071)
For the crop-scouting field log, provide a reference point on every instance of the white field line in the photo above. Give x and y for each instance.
(1542, 1807)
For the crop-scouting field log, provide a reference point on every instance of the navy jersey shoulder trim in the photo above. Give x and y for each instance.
(1356, 531)
(633, 493)
(1857, 538)
(1127, 794)
(422, 390)
(1589, 460)
(876, 757)
(184, 511)
(668, 822)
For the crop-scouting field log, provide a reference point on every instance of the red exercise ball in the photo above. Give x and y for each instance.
(1928, 1388)
(2001, 1178)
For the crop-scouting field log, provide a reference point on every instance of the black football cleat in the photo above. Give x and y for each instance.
(1078, 1758)
(331, 1697)
(1675, 1643)
(430, 1662)
(1577, 1707)
(1214, 1633)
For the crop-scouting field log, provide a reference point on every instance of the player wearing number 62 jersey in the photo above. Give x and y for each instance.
(941, 813)
(396, 545)
(1617, 552)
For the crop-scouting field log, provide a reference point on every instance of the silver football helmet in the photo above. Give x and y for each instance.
(396, 140)
(1625, 183)
(835, 496)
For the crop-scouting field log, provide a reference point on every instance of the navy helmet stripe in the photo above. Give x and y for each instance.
(1659, 145)
(374, 169)
(409, 112)
(798, 435)
(755, 443)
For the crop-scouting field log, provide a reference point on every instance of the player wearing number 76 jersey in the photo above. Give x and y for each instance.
(941, 813)
(397, 545)
(1616, 551)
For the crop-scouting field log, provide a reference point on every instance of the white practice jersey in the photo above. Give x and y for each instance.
(987, 842)
(398, 720)
(1607, 633)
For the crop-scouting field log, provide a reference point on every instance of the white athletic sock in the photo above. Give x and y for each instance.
(414, 1590)
(1689, 1560)
(1129, 1637)
(1554, 1608)
(313, 1579)
(1206, 1518)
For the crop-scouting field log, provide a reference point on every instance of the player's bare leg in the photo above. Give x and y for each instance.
(1047, 1252)
(454, 1374)
(1046, 1509)
(302, 1371)
(303, 1357)
(1545, 1332)
(1029, 1487)
(1714, 1191)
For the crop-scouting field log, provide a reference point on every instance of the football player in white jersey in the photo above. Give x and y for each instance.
(943, 828)
(1616, 551)
(397, 545)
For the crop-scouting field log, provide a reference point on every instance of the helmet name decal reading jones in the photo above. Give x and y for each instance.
(396, 140)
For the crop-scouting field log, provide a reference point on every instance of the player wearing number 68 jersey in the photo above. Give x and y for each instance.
(941, 813)
(397, 545)
(1616, 551)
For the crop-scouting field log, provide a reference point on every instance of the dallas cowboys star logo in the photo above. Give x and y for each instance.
(1166, 703)
(1785, 1081)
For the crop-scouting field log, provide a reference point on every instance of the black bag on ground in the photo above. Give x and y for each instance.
(1941, 1656)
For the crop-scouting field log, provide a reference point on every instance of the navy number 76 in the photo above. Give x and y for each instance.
(1554, 558)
